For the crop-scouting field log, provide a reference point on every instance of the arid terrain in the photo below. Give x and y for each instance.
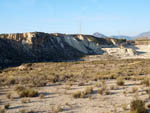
(99, 86)
(90, 75)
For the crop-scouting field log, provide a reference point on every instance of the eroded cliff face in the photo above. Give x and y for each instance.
(38, 46)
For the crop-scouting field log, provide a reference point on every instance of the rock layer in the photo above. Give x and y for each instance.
(38, 46)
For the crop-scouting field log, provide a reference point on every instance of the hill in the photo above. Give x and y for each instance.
(39, 46)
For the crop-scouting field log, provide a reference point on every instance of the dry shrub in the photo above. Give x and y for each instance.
(56, 109)
(134, 89)
(146, 81)
(112, 87)
(77, 94)
(124, 106)
(6, 106)
(148, 92)
(10, 81)
(41, 96)
(83, 94)
(137, 106)
(25, 100)
(26, 92)
(81, 84)
(38, 83)
(103, 91)
(98, 85)
(2, 110)
(125, 92)
(22, 111)
(19, 88)
(120, 81)
(89, 90)
(102, 82)
(9, 96)
(69, 83)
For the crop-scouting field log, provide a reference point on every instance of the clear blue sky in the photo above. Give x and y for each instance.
(127, 17)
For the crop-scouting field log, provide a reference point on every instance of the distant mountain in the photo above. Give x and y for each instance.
(122, 37)
(143, 35)
(99, 35)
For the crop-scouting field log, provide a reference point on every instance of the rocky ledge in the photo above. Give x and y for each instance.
(39, 46)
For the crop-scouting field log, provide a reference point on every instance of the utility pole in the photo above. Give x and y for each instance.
(80, 28)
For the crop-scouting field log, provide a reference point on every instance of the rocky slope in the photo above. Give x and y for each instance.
(38, 46)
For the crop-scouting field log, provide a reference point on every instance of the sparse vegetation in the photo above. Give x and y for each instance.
(84, 79)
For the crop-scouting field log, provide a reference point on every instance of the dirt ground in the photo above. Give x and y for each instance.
(61, 95)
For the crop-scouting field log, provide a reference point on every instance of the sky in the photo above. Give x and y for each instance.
(109, 17)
